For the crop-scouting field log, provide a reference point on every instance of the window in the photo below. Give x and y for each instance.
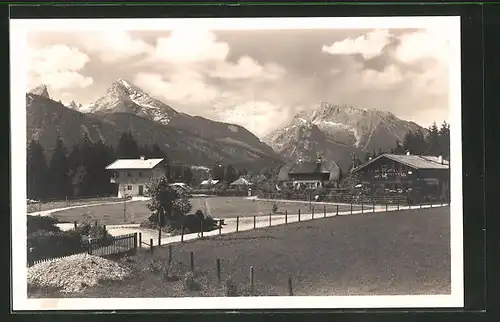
(129, 187)
(117, 174)
(129, 174)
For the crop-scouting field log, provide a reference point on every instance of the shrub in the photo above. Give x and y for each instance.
(190, 282)
(230, 288)
(45, 223)
(49, 244)
(95, 232)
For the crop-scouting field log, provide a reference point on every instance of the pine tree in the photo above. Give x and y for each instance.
(444, 138)
(59, 171)
(230, 174)
(433, 141)
(157, 152)
(36, 170)
(187, 175)
(127, 147)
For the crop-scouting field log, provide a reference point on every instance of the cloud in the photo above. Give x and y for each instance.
(423, 45)
(58, 66)
(369, 45)
(113, 45)
(387, 78)
(246, 68)
(259, 117)
(188, 46)
(186, 87)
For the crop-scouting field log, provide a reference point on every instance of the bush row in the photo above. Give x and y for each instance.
(46, 240)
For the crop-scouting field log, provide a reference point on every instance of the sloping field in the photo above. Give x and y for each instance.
(394, 253)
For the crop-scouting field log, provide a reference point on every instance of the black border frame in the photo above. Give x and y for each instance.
(472, 123)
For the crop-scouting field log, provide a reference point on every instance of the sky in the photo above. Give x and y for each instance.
(258, 79)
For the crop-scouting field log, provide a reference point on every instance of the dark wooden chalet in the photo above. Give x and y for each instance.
(309, 174)
(420, 176)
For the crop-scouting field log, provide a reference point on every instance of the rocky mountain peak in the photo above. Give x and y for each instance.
(40, 90)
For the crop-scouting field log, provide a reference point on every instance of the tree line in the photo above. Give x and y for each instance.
(436, 142)
(81, 170)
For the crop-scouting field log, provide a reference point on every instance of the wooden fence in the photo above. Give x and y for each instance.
(348, 198)
(116, 247)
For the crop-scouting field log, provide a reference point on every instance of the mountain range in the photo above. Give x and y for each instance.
(338, 132)
(332, 131)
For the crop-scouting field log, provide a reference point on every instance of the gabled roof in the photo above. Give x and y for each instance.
(308, 167)
(241, 182)
(209, 181)
(413, 161)
(124, 164)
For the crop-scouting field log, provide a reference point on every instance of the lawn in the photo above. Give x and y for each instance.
(393, 253)
(219, 207)
(49, 205)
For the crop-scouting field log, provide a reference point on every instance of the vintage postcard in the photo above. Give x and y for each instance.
(246, 163)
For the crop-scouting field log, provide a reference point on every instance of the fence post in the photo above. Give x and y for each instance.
(286, 216)
(373, 205)
(237, 223)
(135, 240)
(251, 281)
(201, 228)
(386, 206)
(140, 239)
(151, 244)
(217, 263)
(182, 233)
(312, 213)
(220, 226)
(269, 220)
(337, 210)
(96, 222)
(76, 224)
(191, 261)
(324, 211)
(90, 247)
(254, 223)
(290, 289)
(362, 207)
(299, 214)
(420, 204)
(169, 255)
(351, 207)
(398, 204)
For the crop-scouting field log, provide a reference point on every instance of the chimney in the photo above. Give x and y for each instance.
(440, 158)
(143, 157)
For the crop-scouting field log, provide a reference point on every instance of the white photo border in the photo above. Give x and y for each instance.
(19, 28)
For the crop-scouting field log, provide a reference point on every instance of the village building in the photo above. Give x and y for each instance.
(132, 175)
(421, 176)
(305, 174)
(209, 183)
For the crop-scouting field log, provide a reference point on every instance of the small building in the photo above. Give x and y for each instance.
(132, 175)
(209, 183)
(419, 175)
(304, 174)
(240, 183)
